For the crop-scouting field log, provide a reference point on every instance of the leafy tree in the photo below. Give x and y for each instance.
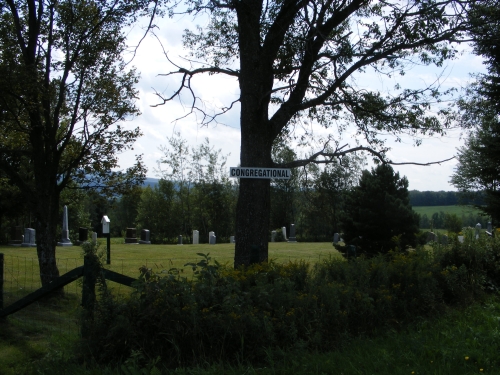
(155, 212)
(378, 211)
(324, 198)
(284, 193)
(478, 168)
(64, 88)
(452, 223)
(424, 221)
(297, 61)
(123, 212)
(203, 194)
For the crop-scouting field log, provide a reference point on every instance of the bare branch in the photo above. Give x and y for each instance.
(328, 157)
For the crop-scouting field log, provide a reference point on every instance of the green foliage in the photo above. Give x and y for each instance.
(194, 194)
(453, 223)
(377, 210)
(232, 315)
(478, 159)
(435, 216)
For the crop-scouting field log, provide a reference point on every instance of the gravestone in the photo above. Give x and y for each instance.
(131, 236)
(212, 238)
(29, 238)
(83, 235)
(94, 237)
(231, 239)
(283, 230)
(460, 239)
(196, 237)
(292, 237)
(351, 251)
(443, 240)
(179, 240)
(489, 231)
(145, 237)
(336, 238)
(431, 236)
(478, 230)
(65, 241)
(273, 236)
(16, 236)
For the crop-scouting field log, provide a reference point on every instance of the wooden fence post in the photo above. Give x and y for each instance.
(90, 270)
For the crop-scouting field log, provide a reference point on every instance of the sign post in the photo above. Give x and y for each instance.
(105, 230)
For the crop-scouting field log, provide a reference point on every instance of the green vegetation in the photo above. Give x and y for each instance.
(376, 315)
(378, 215)
(466, 216)
(457, 210)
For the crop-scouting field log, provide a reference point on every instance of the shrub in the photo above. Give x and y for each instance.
(237, 315)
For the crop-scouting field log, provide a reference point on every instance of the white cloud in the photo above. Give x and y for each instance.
(217, 91)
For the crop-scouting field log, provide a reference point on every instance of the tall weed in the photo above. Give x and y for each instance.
(238, 315)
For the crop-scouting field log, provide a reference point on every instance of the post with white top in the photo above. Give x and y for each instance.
(105, 230)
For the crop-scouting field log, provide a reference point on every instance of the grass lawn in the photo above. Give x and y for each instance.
(21, 272)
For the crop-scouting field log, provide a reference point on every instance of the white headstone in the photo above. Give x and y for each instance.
(94, 237)
(196, 237)
(211, 238)
(65, 241)
(231, 239)
(478, 229)
(336, 238)
(283, 230)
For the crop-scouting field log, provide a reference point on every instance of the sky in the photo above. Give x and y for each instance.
(158, 123)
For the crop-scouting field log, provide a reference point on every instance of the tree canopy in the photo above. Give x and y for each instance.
(298, 62)
(478, 168)
(378, 215)
(64, 90)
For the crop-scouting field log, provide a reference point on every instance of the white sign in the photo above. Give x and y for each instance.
(250, 172)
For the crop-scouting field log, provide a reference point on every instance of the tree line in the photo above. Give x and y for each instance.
(442, 198)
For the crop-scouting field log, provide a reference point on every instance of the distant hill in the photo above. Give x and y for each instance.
(152, 182)
(437, 198)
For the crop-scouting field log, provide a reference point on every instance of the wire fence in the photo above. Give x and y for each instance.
(61, 313)
(58, 314)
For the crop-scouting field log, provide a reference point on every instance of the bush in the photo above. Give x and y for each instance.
(237, 315)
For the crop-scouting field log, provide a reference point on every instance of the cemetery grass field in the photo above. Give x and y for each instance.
(21, 264)
(457, 210)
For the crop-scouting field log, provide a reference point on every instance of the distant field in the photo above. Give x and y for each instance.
(458, 210)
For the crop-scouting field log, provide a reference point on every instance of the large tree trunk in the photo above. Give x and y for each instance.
(46, 203)
(253, 208)
(256, 81)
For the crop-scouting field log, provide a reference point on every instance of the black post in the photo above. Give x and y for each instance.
(1, 281)
(108, 252)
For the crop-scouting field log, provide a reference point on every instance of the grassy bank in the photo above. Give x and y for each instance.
(463, 341)
(346, 300)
